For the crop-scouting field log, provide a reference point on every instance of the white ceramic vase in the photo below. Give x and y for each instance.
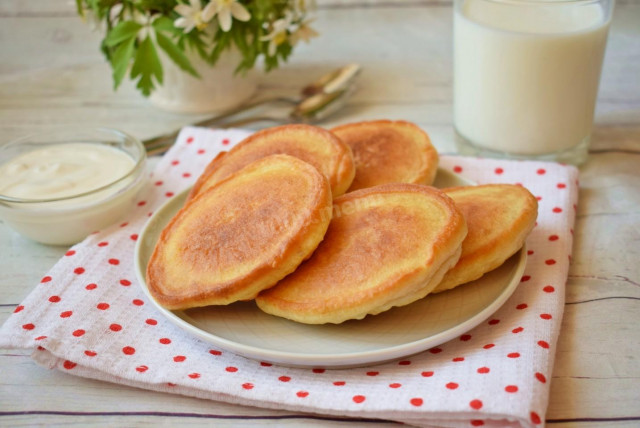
(217, 89)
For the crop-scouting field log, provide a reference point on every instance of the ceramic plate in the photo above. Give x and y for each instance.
(244, 329)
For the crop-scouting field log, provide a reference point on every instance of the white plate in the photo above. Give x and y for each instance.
(244, 329)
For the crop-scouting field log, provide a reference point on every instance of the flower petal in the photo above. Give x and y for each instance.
(239, 12)
(183, 10)
(208, 12)
(224, 17)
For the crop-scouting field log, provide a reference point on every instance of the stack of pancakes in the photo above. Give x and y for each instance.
(324, 226)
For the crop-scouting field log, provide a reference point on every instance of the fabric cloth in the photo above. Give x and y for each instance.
(89, 317)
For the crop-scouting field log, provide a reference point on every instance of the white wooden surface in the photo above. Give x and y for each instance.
(53, 75)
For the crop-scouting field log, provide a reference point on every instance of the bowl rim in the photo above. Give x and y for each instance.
(135, 169)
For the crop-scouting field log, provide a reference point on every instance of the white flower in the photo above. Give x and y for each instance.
(228, 8)
(304, 32)
(194, 16)
(279, 32)
(144, 19)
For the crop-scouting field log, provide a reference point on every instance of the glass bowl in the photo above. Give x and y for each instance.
(69, 217)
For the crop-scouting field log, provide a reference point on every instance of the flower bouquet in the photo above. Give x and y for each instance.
(139, 33)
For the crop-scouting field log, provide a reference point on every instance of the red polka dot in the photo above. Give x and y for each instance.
(168, 194)
(554, 238)
(68, 365)
(539, 198)
(45, 279)
(66, 314)
(541, 171)
(549, 289)
(137, 302)
(488, 346)
(427, 374)
(158, 183)
(359, 398)
(550, 262)
(513, 355)
(78, 333)
(54, 299)
(125, 224)
(200, 152)
(78, 270)
(134, 237)
(545, 316)
(247, 385)
(165, 341)
(517, 330)
(115, 327)
(231, 369)
(90, 353)
(125, 282)
(477, 423)
(541, 377)
(265, 364)
(525, 278)
(416, 402)
(129, 350)
(395, 385)
(18, 309)
(103, 244)
(319, 371)
(175, 162)
(561, 185)
(529, 252)
(302, 394)
(28, 326)
(142, 369)
(373, 373)
(457, 169)
(194, 375)
(189, 140)
(114, 262)
(499, 171)
(91, 286)
(452, 385)
(404, 363)
(465, 337)
(186, 175)
(543, 344)
(511, 388)
(70, 253)
(339, 383)
(284, 378)
(151, 321)
(40, 338)
(142, 203)
(102, 306)
(226, 141)
(457, 359)
(535, 418)
(484, 370)
(435, 350)
(557, 210)
(494, 321)
(522, 306)
(180, 358)
(475, 404)
(215, 352)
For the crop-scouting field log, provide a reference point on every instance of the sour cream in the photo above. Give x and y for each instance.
(63, 171)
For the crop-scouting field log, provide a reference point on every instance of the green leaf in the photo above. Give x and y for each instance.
(146, 65)
(120, 61)
(175, 54)
(121, 32)
(164, 24)
(79, 7)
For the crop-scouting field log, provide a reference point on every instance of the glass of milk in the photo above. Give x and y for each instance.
(526, 76)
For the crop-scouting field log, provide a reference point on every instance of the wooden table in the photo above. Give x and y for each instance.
(53, 75)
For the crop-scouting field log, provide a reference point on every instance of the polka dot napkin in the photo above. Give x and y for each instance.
(89, 317)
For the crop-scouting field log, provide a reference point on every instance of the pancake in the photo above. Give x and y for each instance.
(499, 218)
(386, 246)
(389, 152)
(242, 235)
(312, 144)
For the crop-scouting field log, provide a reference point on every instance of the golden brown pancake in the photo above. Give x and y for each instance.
(499, 218)
(388, 151)
(386, 246)
(312, 144)
(242, 235)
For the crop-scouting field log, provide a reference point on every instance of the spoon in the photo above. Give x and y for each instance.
(318, 100)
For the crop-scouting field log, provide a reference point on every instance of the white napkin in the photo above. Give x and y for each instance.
(89, 317)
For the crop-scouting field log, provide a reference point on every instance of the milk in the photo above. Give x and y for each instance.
(526, 73)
